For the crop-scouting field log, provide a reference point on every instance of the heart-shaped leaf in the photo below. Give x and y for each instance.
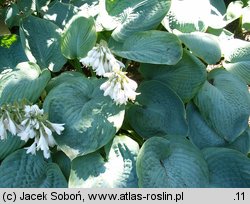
(157, 112)
(171, 163)
(26, 81)
(79, 36)
(117, 170)
(224, 103)
(155, 47)
(22, 170)
(189, 69)
(41, 40)
(91, 119)
(227, 168)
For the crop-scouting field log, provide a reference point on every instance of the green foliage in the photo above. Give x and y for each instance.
(125, 94)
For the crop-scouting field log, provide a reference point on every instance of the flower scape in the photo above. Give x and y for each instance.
(124, 94)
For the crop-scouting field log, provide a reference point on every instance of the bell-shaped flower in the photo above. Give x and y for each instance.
(101, 59)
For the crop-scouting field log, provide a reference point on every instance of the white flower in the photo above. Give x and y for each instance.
(3, 132)
(101, 59)
(33, 110)
(58, 128)
(119, 87)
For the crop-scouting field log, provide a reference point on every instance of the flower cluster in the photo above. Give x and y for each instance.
(29, 122)
(101, 59)
(118, 86)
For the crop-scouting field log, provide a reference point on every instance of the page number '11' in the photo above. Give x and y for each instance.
(240, 196)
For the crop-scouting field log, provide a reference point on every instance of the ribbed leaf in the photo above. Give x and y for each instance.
(91, 119)
(171, 163)
(79, 36)
(22, 170)
(155, 47)
(117, 170)
(227, 168)
(203, 45)
(185, 78)
(26, 81)
(11, 52)
(137, 15)
(224, 103)
(60, 13)
(236, 53)
(63, 162)
(204, 136)
(41, 40)
(9, 145)
(158, 111)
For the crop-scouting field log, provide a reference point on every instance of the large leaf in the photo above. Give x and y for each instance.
(60, 13)
(171, 163)
(188, 15)
(26, 81)
(155, 47)
(203, 45)
(41, 40)
(11, 52)
(117, 170)
(91, 119)
(158, 111)
(204, 136)
(9, 145)
(185, 78)
(224, 103)
(63, 162)
(236, 53)
(22, 170)
(227, 168)
(137, 15)
(79, 36)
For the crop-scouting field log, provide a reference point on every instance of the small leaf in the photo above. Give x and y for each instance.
(155, 47)
(22, 170)
(158, 111)
(79, 36)
(117, 170)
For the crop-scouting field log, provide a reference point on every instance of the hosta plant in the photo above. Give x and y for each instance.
(124, 94)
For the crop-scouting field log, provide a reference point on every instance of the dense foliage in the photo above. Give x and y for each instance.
(117, 93)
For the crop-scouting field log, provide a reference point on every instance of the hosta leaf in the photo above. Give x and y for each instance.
(79, 36)
(91, 119)
(41, 40)
(11, 51)
(157, 112)
(236, 53)
(117, 170)
(171, 163)
(22, 170)
(224, 103)
(63, 162)
(9, 145)
(137, 15)
(227, 168)
(188, 16)
(204, 136)
(189, 70)
(203, 45)
(26, 81)
(60, 13)
(155, 47)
